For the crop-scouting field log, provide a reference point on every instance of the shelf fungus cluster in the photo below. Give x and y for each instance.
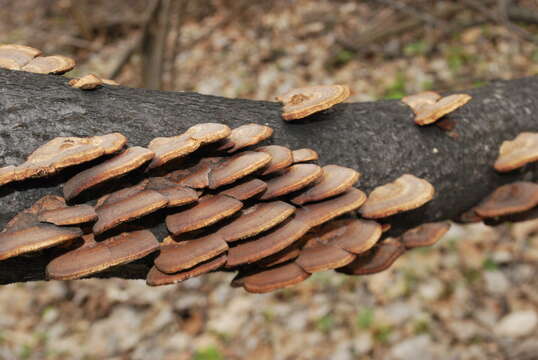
(208, 199)
(429, 106)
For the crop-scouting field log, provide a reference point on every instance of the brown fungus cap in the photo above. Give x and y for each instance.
(319, 213)
(302, 102)
(304, 155)
(208, 132)
(195, 176)
(209, 210)
(246, 135)
(55, 64)
(94, 256)
(88, 82)
(275, 278)
(379, 258)
(256, 219)
(425, 235)
(354, 235)
(129, 160)
(335, 180)
(429, 113)
(7, 174)
(266, 245)
(188, 253)
(62, 152)
(177, 195)
(509, 199)
(518, 152)
(69, 215)
(237, 167)
(423, 98)
(323, 257)
(281, 158)
(157, 278)
(292, 179)
(14, 57)
(141, 204)
(246, 190)
(408, 192)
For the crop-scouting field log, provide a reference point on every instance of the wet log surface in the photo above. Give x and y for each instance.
(379, 139)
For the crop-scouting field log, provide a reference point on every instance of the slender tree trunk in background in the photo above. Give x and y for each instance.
(379, 139)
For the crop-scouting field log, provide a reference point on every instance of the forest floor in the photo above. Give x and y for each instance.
(472, 296)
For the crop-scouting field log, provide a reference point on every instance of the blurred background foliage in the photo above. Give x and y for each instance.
(471, 297)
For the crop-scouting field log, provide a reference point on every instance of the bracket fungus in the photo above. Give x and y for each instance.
(95, 256)
(408, 192)
(245, 135)
(323, 257)
(281, 158)
(425, 235)
(246, 190)
(291, 179)
(275, 278)
(518, 152)
(302, 102)
(55, 64)
(69, 215)
(377, 259)
(304, 155)
(509, 199)
(158, 278)
(237, 167)
(353, 235)
(87, 82)
(14, 57)
(430, 106)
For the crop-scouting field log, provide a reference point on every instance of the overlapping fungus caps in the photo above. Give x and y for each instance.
(185, 254)
(143, 203)
(275, 278)
(302, 102)
(353, 235)
(256, 219)
(246, 190)
(335, 180)
(129, 160)
(14, 57)
(318, 213)
(62, 152)
(292, 179)
(425, 235)
(304, 155)
(267, 244)
(405, 193)
(429, 107)
(156, 277)
(176, 195)
(167, 149)
(55, 64)
(94, 256)
(518, 152)
(509, 199)
(379, 258)
(323, 257)
(281, 158)
(209, 210)
(237, 167)
(246, 135)
(87, 82)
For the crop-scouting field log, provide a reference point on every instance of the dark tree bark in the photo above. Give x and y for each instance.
(379, 139)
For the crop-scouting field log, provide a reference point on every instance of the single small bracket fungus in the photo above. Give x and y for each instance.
(302, 102)
(354, 235)
(69, 215)
(304, 155)
(323, 257)
(266, 245)
(157, 278)
(256, 219)
(63, 152)
(294, 178)
(129, 160)
(209, 210)
(408, 192)
(246, 190)
(55, 64)
(509, 199)
(93, 257)
(275, 278)
(88, 82)
(335, 180)
(428, 107)
(188, 253)
(281, 158)
(518, 152)
(245, 135)
(425, 235)
(176, 195)
(377, 259)
(14, 57)
(237, 167)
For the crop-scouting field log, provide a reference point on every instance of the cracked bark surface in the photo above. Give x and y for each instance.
(379, 139)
